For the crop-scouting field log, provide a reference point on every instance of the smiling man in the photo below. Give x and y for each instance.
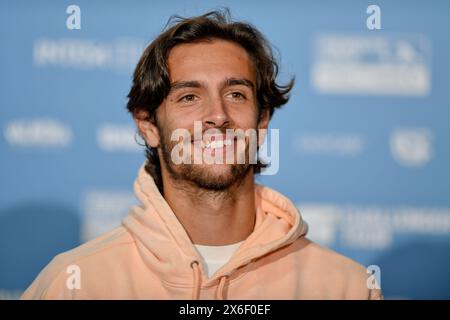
(204, 229)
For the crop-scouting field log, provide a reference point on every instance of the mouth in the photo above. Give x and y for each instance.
(215, 141)
(217, 145)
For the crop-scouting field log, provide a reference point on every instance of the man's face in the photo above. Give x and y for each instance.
(212, 82)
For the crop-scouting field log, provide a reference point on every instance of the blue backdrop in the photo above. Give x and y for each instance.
(364, 140)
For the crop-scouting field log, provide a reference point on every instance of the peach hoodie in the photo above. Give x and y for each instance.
(151, 257)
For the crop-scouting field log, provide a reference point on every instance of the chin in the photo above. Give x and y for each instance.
(214, 177)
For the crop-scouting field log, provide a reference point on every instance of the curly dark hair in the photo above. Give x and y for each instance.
(151, 82)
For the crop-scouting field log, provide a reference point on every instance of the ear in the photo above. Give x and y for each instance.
(263, 124)
(147, 128)
(264, 120)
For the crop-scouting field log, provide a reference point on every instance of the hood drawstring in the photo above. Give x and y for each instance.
(197, 283)
(197, 280)
(219, 292)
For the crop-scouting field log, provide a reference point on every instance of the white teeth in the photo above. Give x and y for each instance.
(205, 144)
(216, 144)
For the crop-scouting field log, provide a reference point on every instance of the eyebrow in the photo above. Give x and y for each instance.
(184, 84)
(239, 81)
(196, 84)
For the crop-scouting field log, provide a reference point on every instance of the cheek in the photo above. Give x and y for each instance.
(245, 118)
(171, 120)
(178, 126)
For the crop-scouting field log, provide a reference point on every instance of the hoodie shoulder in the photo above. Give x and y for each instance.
(51, 283)
(338, 276)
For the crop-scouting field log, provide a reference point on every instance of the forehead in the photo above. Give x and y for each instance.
(215, 58)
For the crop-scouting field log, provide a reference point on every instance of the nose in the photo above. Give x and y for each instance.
(216, 115)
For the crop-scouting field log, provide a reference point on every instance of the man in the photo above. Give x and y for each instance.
(204, 229)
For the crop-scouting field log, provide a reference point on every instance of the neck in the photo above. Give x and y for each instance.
(210, 217)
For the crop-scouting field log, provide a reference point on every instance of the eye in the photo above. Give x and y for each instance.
(237, 95)
(188, 98)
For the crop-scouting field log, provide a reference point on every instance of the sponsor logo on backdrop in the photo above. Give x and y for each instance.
(372, 64)
(38, 132)
(10, 294)
(103, 210)
(371, 227)
(119, 55)
(411, 147)
(330, 144)
(116, 137)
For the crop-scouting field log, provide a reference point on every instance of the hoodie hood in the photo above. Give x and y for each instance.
(167, 250)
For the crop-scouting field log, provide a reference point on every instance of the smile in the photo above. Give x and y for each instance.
(215, 144)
